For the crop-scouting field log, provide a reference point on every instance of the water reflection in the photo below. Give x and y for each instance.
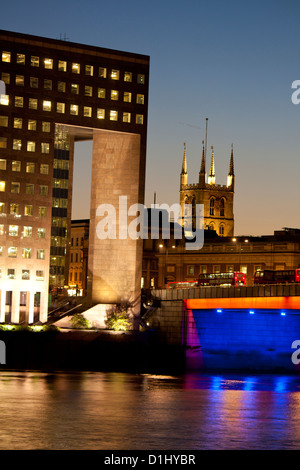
(92, 410)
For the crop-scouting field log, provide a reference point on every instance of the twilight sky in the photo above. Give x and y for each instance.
(232, 62)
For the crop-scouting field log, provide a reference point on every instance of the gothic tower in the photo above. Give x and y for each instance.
(217, 199)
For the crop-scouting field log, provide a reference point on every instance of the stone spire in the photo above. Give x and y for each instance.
(184, 174)
(230, 177)
(212, 173)
(202, 173)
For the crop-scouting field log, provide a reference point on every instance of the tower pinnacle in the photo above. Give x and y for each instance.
(212, 173)
(184, 175)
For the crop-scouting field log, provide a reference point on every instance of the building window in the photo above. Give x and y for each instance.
(46, 126)
(5, 77)
(28, 210)
(139, 119)
(190, 270)
(44, 169)
(42, 211)
(47, 84)
(45, 147)
(20, 59)
(101, 92)
(113, 115)
(2, 186)
(3, 142)
(140, 99)
(40, 254)
(6, 56)
(2, 164)
(43, 190)
(17, 144)
(30, 167)
(25, 274)
(31, 125)
(76, 68)
(222, 207)
(1, 229)
(127, 97)
(15, 188)
(2, 207)
(114, 95)
(29, 188)
(26, 253)
(89, 70)
(102, 72)
(11, 273)
(126, 117)
(74, 109)
(87, 111)
(39, 275)
(48, 64)
(141, 78)
(61, 86)
(62, 66)
(115, 74)
(41, 233)
(221, 230)
(88, 90)
(127, 77)
(35, 61)
(4, 100)
(30, 146)
(19, 80)
(12, 252)
(18, 123)
(60, 107)
(46, 105)
(14, 209)
(212, 206)
(3, 121)
(74, 88)
(34, 82)
(243, 269)
(100, 113)
(19, 100)
(27, 232)
(217, 269)
(230, 269)
(15, 165)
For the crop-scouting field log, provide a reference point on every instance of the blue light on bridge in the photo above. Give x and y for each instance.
(251, 312)
(219, 310)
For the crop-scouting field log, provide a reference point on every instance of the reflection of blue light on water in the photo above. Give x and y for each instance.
(216, 383)
(250, 383)
(280, 384)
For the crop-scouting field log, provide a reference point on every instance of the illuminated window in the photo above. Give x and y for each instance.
(48, 63)
(30, 167)
(115, 74)
(102, 72)
(140, 99)
(20, 58)
(127, 97)
(17, 144)
(60, 108)
(126, 117)
(2, 186)
(62, 66)
(3, 121)
(35, 61)
(113, 115)
(40, 254)
(61, 86)
(43, 190)
(2, 164)
(5, 77)
(27, 232)
(101, 92)
(243, 269)
(25, 274)
(4, 100)
(26, 253)
(3, 142)
(33, 103)
(75, 68)
(47, 84)
(74, 88)
(31, 125)
(44, 169)
(34, 82)
(13, 230)
(89, 70)
(88, 90)
(6, 56)
(1, 229)
(19, 100)
(87, 111)
(221, 230)
(74, 109)
(2, 207)
(16, 165)
(39, 275)
(42, 211)
(127, 77)
(46, 126)
(1, 250)
(45, 147)
(28, 210)
(230, 269)
(11, 273)
(15, 187)
(18, 123)
(29, 188)
(217, 269)
(19, 80)
(14, 209)
(190, 270)
(114, 95)
(46, 105)
(139, 119)
(41, 233)
(141, 78)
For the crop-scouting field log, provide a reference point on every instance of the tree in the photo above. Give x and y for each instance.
(79, 321)
(118, 317)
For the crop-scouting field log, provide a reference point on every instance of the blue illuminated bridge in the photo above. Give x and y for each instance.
(248, 327)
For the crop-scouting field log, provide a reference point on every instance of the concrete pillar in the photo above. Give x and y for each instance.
(15, 308)
(31, 307)
(43, 307)
(115, 265)
(2, 306)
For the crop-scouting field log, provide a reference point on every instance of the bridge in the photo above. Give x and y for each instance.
(248, 327)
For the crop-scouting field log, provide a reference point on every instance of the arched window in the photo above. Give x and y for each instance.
(211, 226)
(221, 230)
(212, 206)
(222, 207)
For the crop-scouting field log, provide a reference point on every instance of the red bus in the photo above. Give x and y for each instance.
(269, 276)
(222, 279)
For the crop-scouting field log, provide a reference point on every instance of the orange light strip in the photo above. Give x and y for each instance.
(287, 303)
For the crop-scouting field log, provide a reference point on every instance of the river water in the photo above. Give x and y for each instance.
(119, 411)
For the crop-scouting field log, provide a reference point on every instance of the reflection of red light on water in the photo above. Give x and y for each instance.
(194, 355)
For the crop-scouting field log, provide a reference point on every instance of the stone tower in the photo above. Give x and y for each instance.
(217, 199)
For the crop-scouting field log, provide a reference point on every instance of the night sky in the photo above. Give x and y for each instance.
(232, 62)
